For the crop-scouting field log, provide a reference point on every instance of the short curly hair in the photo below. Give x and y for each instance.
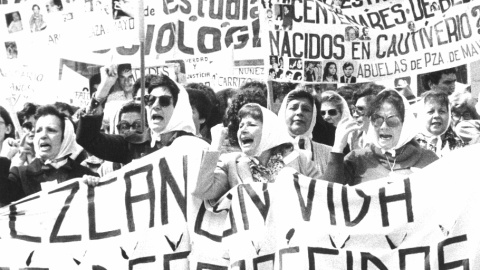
(244, 96)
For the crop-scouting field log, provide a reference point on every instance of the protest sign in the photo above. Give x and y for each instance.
(424, 221)
(140, 216)
(308, 33)
(143, 216)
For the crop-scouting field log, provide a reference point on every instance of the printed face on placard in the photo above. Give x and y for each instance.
(348, 71)
(446, 84)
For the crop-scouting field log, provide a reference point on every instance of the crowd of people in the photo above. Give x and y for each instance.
(346, 137)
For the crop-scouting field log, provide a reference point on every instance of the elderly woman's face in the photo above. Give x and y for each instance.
(330, 113)
(48, 136)
(352, 34)
(160, 110)
(298, 116)
(388, 126)
(436, 117)
(460, 113)
(249, 134)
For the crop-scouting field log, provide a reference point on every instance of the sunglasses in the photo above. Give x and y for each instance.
(331, 112)
(466, 115)
(392, 121)
(124, 125)
(359, 110)
(164, 101)
(28, 126)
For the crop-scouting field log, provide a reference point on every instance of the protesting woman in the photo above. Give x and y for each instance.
(169, 117)
(434, 118)
(300, 113)
(334, 107)
(266, 149)
(392, 150)
(55, 145)
(364, 98)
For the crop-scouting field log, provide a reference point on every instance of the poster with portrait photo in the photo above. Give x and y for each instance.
(98, 6)
(53, 6)
(313, 71)
(283, 17)
(295, 64)
(122, 9)
(445, 80)
(37, 18)
(14, 22)
(11, 49)
(352, 33)
(346, 72)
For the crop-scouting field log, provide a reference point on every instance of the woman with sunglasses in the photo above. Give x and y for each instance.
(334, 107)
(265, 150)
(127, 121)
(169, 118)
(364, 97)
(393, 150)
(299, 112)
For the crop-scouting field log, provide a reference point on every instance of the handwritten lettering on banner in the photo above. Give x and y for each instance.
(140, 215)
(422, 222)
(376, 51)
(143, 215)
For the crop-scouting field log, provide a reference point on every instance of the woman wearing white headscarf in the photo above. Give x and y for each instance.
(434, 119)
(169, 117)
(393, 150)
(300, 113)
(55, 150)
(266, 149)
(334, 107)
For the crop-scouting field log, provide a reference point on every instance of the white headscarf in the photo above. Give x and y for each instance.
(181, 119)
(69, 147)
(272, 133)
(307, 136)
(345, 108)
(409, 128)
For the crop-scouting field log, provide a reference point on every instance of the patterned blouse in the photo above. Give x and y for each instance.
(266, 174)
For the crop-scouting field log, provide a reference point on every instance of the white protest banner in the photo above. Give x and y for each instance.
(314, 43)
(428, 220)
(188, 31)
(140, 216)
(27, 83)
(144, 217)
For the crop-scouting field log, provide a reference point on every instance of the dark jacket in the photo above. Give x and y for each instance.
(353, 79)
(116, 148)
(369, 163)
(25, 180)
